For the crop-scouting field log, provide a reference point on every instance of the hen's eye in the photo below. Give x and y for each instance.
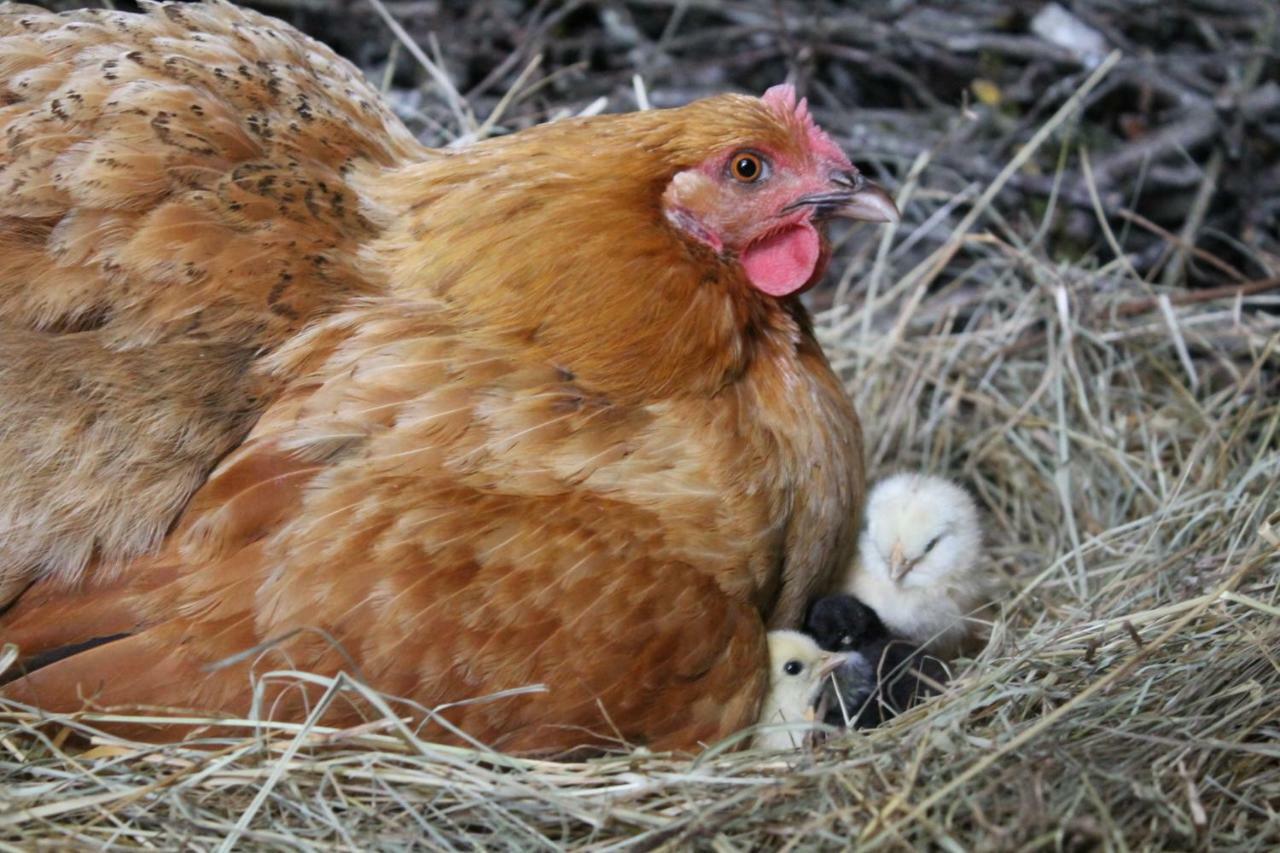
(793, 667)
(747, 167)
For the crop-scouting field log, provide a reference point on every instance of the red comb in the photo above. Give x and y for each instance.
(782, 100)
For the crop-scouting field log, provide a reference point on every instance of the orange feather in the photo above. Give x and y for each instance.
(492, 420)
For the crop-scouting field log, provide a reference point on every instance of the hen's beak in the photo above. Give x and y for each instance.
(853, 197)
(898, 565)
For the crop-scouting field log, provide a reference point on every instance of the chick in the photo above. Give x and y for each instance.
(842, 623)
(798, 668)
(881, 676)
(918, 562)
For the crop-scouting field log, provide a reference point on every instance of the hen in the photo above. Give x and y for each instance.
(276, 379)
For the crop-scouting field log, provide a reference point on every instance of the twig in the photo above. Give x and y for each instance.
(1208, 294)
(1213, 260)
(926, 271)
(1146, 304)
(461, 112)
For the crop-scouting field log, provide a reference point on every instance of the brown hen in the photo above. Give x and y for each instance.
(275, 378)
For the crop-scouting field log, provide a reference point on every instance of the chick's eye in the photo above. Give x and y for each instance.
(747, 167)
(932, 542)
(793, 667)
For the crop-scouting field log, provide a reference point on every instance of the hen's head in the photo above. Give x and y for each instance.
(767, 179)
(920, 531)
(647, 252)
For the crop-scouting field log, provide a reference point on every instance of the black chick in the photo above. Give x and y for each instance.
(883, 676)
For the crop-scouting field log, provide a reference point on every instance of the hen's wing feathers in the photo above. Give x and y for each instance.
(451, 523)
(619, 667)
(180, 173)
(101, 452)
(171, 180)
(156, 660)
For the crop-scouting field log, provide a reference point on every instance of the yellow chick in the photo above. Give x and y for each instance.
(791, 710)
(918, 561)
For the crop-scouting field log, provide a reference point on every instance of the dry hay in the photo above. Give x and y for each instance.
(1124, 439)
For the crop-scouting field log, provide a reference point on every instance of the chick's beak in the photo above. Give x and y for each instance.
(852, 197)
(821, 701)
(830, 664)
(898, 565)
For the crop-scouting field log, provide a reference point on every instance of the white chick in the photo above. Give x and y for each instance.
(797, 669)
(918, 560)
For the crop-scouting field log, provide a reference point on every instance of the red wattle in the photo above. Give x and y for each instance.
(783, 262)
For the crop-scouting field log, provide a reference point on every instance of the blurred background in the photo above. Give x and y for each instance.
(1182, 136)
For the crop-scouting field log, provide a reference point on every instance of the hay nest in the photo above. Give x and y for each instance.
(1124, 439)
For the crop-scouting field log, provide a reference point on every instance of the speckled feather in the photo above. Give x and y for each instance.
(171, 183)
(516, 431)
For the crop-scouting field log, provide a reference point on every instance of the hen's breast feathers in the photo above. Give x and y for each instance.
(463, 521)
(462, 524)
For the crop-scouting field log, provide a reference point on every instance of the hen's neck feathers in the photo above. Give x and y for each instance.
(553, 242)
(556, 238)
